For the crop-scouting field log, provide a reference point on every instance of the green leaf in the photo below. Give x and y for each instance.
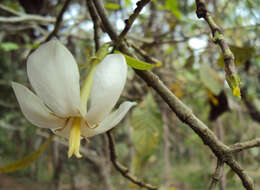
(211, 79)
(135, 63)
(8, 46)
(112, 6)
(147, 130)
(172, 5)
(26, 161)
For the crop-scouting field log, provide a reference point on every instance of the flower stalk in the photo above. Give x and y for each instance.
(86, 88)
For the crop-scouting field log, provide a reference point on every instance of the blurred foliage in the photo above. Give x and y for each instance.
(26, 161)
(8, 46)
(192, 68)
(211, 79)
(241, 55)
(146, 133)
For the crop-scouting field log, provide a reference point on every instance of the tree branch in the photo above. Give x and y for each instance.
(129, 22)
(217, 175)
(104, 18)
(218, 36)
(122, 169)
(252, 110)
(27, 18)
(244, 145)
(144, 54)
(7, 9)
(21, 17)
(58, 21)
(96, 22)
(182, 111)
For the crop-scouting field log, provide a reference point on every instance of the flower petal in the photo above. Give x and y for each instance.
(108, 83)
(110, 121)
(64, 131)
(34, 109)
(54, 75)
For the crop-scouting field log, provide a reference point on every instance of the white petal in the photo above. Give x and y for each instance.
(110, 121)
(34, 109)
(54, 75)
(64, 131)
(108, 83)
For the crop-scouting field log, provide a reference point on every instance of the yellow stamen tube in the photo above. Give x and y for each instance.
(75, 137)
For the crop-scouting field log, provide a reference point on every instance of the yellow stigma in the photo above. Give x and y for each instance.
(75, 137)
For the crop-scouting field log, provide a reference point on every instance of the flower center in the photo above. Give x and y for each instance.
(74, 139)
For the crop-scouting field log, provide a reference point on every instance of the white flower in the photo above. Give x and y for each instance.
(60, 105)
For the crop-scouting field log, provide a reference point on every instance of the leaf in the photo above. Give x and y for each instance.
(147, 131)
(172, 5)
(32, 46)
(112, 6)
(242, 54)
(211, 79)
(135, 63)
(26, 161)
(8, 46)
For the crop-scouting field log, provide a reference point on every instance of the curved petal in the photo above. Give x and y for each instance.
(108, 83)
(54, 75)
(110, 121)
(34, 109)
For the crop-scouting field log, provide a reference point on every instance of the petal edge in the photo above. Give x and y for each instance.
(108, 83)
(34, 110)
(110, 121)
(54, 75)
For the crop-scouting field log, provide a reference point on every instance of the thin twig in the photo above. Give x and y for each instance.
(27, 18)
(244, 145)
(182, 111)
(144, 54)
(58, 21)
(96, 22)
(7, 9)
(252, 109)
(217, 175)
(104, 18)
(218, 37)
(153, 41)
(21, 17)
(122, 169)
(129, 22)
